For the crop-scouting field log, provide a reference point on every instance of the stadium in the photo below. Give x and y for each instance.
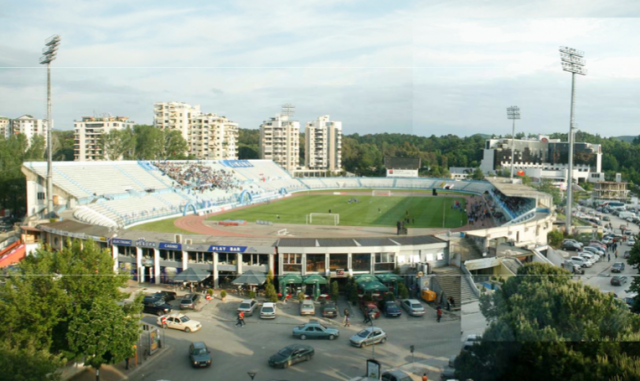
(223, 219)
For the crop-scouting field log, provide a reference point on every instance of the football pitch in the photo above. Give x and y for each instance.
(425, 212)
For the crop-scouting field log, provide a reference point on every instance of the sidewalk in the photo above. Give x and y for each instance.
(117, 372)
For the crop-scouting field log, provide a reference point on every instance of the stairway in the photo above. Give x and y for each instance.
(452, 282)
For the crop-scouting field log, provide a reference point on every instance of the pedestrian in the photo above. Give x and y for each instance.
(439, 313)
(347, 321)
(424, 377)
(367, 317)
(616, 253)
(127, 362)
(452, 302)
(609, 257)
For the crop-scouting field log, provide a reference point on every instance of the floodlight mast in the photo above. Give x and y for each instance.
(513, 113)
(573, 62)
(49, 55)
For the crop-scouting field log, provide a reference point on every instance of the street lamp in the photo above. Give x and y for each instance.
(513, 113)
(573, 62)
(49, 54)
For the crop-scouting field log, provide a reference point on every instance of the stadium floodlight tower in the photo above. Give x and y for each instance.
(513, 113)
(573, 62)
(49, 52)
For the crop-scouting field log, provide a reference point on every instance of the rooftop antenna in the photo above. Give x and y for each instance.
(288, 109)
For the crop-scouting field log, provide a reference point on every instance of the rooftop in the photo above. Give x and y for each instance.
(511, 189)
(402, 163)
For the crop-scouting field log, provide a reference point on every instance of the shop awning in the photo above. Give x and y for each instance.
(372, 286)
(363, 278)
(291, 279)
(251, 278)
(192, 275)
(315, 279)
(389, 277)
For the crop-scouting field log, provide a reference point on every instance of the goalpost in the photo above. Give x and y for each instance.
(381, 193)
(323, 219)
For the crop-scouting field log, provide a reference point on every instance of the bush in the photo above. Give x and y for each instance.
(403, 292)
(555, 238)
(210, 291)
(223, 294)
(301, 297)
(270, 293)
(252, 294)
(335, 291)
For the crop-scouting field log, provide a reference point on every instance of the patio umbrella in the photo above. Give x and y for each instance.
(365, 278)
(373, 286)
(315, 279)
(192, 275)
(286, 280)
(250, 278)
(389, 277)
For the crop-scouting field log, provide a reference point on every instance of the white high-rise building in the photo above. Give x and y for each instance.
(323, 145)
(88, 132)
(5, 127)
(208, 136)
(280, 141)
(28, 126)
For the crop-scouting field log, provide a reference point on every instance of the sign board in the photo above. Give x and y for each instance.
(146, 244)
(340, 272)
(147, 262)
(121, 242)
(374, 370)
(402, 173)
(170, 246)
(227, 249)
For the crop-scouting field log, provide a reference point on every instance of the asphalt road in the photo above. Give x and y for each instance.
(236, 351)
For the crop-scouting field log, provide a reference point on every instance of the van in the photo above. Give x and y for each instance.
(625, 215)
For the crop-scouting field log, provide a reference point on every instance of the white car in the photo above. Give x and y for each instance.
(594, 254)
(589, 257)
(268, 311)
(179, 321)
(582, 262)
(631, 241)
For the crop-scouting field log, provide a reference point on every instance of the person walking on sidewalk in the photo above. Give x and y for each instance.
(609, 257)
(424, 377)
(367, 317)
(439, 313)
(240, 321)
(346, 318)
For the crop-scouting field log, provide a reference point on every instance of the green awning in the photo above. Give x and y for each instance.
(251, 278)
(291, 279)
(389, 277)
(192, 275)
(372, 286)
(315, 279)
(363, 278)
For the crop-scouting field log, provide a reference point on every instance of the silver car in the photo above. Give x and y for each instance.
(413, 307)
(368, 336)
(248, 306)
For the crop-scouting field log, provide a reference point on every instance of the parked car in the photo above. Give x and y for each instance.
(307, 308)
(589, 257)
(571, 245)
(368, 336)
(391, 309)
(607, 240)
(371, 309)
(631, 241)
(579, 261)
(413, 307)
(471, 341)
(575, 269)
(314, 330)
(606, 218)
(329, 310)
(268, 311)
(626, 255)
(189, 302)
(155, 306)
(178, 321)
(248, 306)
(596, 250)
(166, 295)
(199, 354)
(396, 375)
(448, 374)
(291, 354)
(618, 280)
(617, 267)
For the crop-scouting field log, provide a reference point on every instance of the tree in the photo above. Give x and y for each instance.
(62, 145)
(269, 288)
(112, 145)
(174, 147)
(26, 363)
(335, 291)
(403, 292)
(477, 174)
(564, 329)
(555, 237)
(634, 261)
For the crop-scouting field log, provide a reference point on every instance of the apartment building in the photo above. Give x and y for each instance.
(323, 145)
(88, 133)
(5, 127)
(280, 141)
(29, 126)
(208, 136)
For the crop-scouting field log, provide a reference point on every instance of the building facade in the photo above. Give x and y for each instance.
(611, 190)
(5, 127)
(88, 134)
(461, 173)
(323, 145)
(543, 158)
(28, 126)
(280, 141)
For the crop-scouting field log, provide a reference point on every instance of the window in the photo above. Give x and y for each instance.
(361, 262)
(255, 259)
(40, 195)
(315, 262)
(385, 261)
(338, 261)
(292, 262)
(227, 258)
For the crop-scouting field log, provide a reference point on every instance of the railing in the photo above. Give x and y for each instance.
(469, 279)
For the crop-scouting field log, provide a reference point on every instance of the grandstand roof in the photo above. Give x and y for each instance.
(353, 242)
(401, 163)
(510, 189)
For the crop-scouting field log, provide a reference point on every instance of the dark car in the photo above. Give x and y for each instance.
(396, 375)
(166, 295)
(617, 267)
(448, 374)
(618, 280)
(606, 218)
(329, 310)
(155, 306)
(391, 309)
(199, 355)
(189, 301)
(290, 355)
(571, 246)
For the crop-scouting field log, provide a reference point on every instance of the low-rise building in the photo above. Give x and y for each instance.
(611, 190)
(461, 173)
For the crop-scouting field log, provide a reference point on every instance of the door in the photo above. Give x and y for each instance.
(310, 332)
(319, 332)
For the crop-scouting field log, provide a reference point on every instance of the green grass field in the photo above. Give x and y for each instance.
(369, 211)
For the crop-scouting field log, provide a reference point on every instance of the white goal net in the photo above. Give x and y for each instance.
(381, 193)
(323, 219)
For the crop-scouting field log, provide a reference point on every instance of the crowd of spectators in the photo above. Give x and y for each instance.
(478, 212)
(198, 178)
(515, 204)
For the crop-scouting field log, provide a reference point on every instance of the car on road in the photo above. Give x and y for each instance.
(631, 241)
(471, 341)
(268, 311)
(617, 267)
(391, 309)
(291, 354)
(413, 307)
(396, 375)
(448, 374)
(368, 336)
(618, 280)
(371, 309)
(626, 255)
(314, 330)
(248, 306)
(180, 322)
(329, 310)
(307, 308)
(155, 306)
(579, 261)
(189, 302)
(199, 355)
(166, 295)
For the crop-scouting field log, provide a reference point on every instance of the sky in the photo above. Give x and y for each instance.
(417, 67)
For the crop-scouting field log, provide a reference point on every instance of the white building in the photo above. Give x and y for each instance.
(323, 145)
(28, 126)
(280, 141)
(461, 173)
(5, 127)
(544, 158)
(208, 136)
(88, 133)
